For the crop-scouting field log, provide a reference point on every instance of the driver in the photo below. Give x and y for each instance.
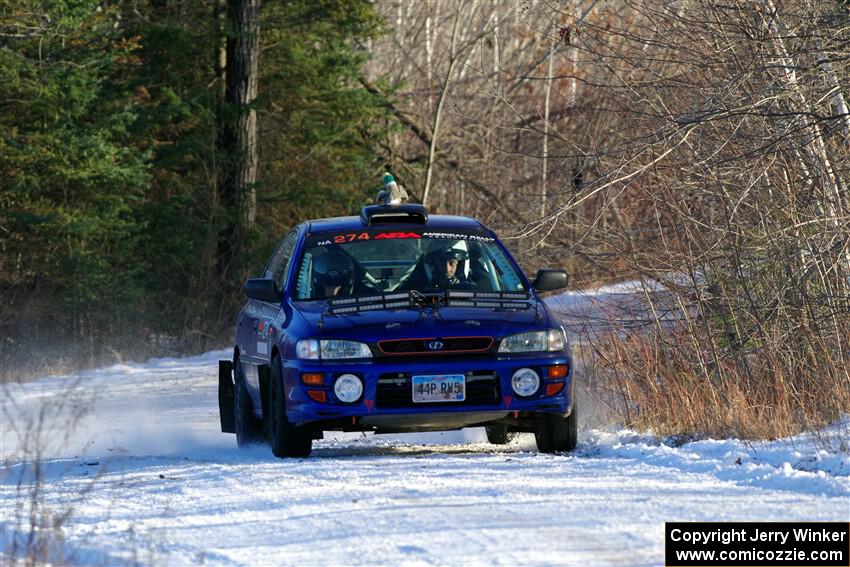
(446, 268)
(333, 274)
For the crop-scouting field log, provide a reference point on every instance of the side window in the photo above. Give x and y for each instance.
(303, 286)
(280, 260)
(509, 279)
(481, 270)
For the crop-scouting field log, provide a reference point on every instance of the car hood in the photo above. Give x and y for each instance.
(372, 326)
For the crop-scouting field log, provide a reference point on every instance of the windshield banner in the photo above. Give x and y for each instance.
(325, 239)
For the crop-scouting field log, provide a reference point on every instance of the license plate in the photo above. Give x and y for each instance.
(439, 388)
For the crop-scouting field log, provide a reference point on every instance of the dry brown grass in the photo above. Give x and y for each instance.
(666, 384)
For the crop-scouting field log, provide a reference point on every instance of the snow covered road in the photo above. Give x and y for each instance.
(148, 478)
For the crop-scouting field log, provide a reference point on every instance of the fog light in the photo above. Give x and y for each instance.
(525, 382)
(552, 389)
(313, 379)
(317, 396)
(348, 388)
(559, 371)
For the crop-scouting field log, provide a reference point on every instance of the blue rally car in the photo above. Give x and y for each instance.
(396, 321)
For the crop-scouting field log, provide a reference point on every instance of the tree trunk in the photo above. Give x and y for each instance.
(436, 127)
(238, 141)
(546, 129)
(834, 202)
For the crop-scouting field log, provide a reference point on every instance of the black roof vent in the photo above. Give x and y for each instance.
(397, 214)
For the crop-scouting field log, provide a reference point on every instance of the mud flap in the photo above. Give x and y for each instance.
(225, 396)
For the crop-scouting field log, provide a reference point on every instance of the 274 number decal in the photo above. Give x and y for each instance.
(342, 238)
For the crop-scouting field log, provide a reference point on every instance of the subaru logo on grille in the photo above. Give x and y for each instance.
(436, 345)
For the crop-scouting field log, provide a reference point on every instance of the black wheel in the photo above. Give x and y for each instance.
(497, 434)
(249, 429)
(556, 433)
(286, 439)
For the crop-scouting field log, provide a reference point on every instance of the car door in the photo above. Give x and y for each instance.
(269, 314)
(257, 318)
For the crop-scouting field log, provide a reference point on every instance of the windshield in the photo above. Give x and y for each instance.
(374, 261)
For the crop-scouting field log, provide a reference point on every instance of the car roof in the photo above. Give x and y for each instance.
(356, 223)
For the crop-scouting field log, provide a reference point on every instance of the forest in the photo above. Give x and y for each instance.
(153, 152)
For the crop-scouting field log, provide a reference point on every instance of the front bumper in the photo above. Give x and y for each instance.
(386, 403)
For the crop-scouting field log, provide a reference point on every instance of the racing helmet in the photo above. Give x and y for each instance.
(332, 269)
(440, 253)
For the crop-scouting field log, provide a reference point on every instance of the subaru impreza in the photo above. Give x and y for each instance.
(396, 321)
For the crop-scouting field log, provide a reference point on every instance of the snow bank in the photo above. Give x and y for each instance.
(815, 463)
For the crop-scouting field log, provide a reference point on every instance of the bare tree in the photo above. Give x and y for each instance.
(696, 144)
(435, 128)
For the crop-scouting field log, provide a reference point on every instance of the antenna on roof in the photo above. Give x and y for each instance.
(391, 207)
(392, 194)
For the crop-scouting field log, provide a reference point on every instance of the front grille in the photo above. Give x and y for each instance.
(395, 390)
(435, 346)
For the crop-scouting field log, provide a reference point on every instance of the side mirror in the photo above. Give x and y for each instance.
(262, 289)
(549, 280)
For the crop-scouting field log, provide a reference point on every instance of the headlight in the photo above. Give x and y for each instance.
(307, 349)
(539, 341)
(348, 388)
(331, 349)
(557, 340)
(525, 382)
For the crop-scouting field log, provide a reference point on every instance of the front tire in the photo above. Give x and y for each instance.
(286, 439)
(556, 433)
(497, 434)
(249, 429)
